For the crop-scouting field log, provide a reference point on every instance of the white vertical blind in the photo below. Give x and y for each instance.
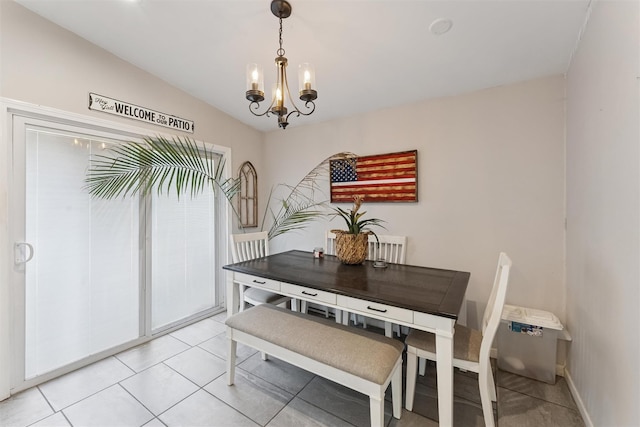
(82, 286)
(183, 256)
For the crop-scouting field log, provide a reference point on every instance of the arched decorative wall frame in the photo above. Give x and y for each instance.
(248, 195)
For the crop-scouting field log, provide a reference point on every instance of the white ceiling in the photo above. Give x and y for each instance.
(368, 55)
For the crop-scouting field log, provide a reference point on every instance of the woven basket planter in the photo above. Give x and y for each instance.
(351, 248)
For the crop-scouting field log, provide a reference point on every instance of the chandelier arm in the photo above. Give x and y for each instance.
(306, 104)
(253, 107)
(299, 113)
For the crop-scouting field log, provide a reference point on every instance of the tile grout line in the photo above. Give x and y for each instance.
(536, 397)
(544, 400)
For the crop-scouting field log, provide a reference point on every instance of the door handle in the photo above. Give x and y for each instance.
(19, 252)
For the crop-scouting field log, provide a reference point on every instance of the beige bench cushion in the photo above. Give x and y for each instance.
(466, 342)
(361, 353)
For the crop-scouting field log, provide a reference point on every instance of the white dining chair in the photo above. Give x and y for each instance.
(471, 348)
(391, 249)
(248, 246)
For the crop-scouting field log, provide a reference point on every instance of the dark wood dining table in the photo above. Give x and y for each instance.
(422, 298)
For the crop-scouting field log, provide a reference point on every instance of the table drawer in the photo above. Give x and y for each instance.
(256, 281)
(308, 294)
(376, 310)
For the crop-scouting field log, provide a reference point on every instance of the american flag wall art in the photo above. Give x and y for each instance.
(389, 177)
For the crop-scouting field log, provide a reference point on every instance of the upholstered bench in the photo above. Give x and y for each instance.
(358, 359)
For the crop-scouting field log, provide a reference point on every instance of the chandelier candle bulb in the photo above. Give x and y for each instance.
(306, 82)
(255, 83)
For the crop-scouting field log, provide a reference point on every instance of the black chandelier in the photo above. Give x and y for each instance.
(306, 80)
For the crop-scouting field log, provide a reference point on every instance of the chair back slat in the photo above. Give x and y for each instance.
(331, 243)
(390, 248)
(249, 246)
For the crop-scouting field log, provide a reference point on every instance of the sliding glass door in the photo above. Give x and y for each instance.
(82, 284)
(93, 276)
(183, 254)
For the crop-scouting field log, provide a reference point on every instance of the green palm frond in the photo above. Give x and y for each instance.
(137, 168)
(296, 217)
(300, 206)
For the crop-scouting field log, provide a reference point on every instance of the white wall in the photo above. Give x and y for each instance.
(47, 65)
(491, 179)
(603, 212)
(43, 64)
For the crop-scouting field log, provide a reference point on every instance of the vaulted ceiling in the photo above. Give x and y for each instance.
(368, 55)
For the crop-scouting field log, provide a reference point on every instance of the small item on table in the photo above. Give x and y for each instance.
(318, 252)
(380, 263)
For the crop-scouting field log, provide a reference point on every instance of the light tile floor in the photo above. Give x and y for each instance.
(178, 379)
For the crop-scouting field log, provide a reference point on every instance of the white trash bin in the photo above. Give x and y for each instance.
(527, 342)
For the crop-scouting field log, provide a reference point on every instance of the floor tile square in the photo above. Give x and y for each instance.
(159, 387)
(300, 413)
(465, 412)
(74, 386)
(199, 332)
(251, 395)
(24, 408)
(220, 317)
(55, 420)
(520, 410)
(146, 355)
(110, 407)
(198, 365)
(341, 401)
(281, 374)
(218, 345)
(154, 423)
(202, 409)
(556, 393)
(411, 419)
(465, 383)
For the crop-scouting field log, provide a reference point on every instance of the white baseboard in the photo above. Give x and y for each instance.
(578, 399)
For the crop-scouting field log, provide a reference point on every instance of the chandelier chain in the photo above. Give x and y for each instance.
(280, 51)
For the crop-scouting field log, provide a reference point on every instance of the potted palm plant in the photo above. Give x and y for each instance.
(352, 244)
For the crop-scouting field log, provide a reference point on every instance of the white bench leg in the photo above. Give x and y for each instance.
(376, 408)
(231, 361)
(412, 361)
(265, 356)
(396, 391)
